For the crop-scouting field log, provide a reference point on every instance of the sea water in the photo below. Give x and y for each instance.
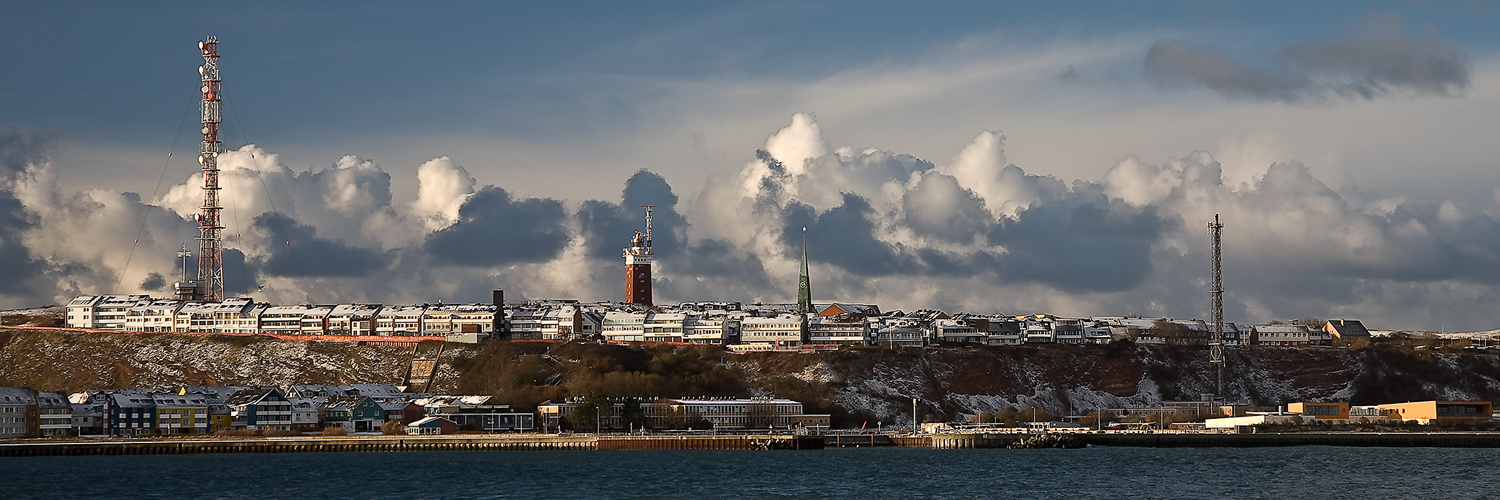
(1095, 472)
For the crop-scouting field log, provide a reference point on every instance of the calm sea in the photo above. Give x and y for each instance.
(1095, 472)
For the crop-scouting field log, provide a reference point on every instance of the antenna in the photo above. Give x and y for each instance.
(184, 255)
(648, 225)
(1215, 343)
(210, 231)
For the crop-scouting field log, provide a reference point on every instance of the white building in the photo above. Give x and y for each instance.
(353, 319)
(663, 327)
(153, 316)
(102, 312)
(404, 321)
(622, 326)
(782, 330)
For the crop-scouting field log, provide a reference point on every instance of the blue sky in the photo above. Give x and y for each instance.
(567, 102)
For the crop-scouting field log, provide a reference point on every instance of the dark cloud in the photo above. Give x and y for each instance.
(1085, 243)
(296, 251)
(1174, 60)
(844, 236)
(713, 257)
(607, 227)
(154, 282)
(493, 229)
(1377, 59)
(19, 269)
(239, 278)
(937, 206)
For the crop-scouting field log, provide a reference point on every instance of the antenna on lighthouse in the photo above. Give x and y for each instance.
(648, 225)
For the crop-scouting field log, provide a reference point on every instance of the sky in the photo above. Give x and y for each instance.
(1059, 158)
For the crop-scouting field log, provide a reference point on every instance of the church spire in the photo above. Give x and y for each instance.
(804, 285)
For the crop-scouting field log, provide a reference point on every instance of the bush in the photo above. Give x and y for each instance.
(279, 433)
(334, 430)
(392, 428)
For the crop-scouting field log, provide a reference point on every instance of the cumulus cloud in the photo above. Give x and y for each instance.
(974, 233)
(1378, 58)
(494, 229)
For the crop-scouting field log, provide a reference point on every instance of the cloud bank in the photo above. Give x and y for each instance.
(973, 232)
(1377, 59)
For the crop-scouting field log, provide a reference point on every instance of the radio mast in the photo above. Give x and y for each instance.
(210, 231)
(1215, 343)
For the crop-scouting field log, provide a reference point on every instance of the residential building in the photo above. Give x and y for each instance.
(782, 330)
(400, 321)
(431, 426)
(179, 414)
(88, 419)
(663, 327)
(54, 414)
(129, 413)
(307, 413)
(1346, 330)
(623, 326)
(1280, 335)
(102, 312)
(260, 408)
(957, 331)
(18, 413)
(152, 316)
(845, 330)
(353, 319)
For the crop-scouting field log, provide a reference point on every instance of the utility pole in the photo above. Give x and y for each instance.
(1215, 343)
(915, 425)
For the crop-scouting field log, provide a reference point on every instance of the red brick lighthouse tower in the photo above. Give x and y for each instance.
(638, 265)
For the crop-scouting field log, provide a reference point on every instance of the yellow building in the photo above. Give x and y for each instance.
(1428, 412)
(1320, 411)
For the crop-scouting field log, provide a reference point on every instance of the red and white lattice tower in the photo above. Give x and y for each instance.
(210, 230)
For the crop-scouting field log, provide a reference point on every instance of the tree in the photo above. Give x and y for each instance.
(1171, 332)
(1312, 323)
(392, 428)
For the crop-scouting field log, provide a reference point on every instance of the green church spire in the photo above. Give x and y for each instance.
(804, 285)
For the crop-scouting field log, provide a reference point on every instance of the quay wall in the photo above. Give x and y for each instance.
(1362, 439)
(407, 443)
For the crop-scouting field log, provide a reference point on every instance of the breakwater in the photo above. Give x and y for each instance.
(408, 443)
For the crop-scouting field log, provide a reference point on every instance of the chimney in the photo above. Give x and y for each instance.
(497, 297)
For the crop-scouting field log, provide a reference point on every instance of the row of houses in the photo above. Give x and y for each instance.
(27, 413)
(664, 413)
(1420, 412)
(744, 327)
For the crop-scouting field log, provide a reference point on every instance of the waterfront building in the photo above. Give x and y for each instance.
(477, 413)
(18, 413)
(307, 415)
(260, 408)
(180, 414)
(429, 426)
(54, 414)
(1436, 412)
(129, 413)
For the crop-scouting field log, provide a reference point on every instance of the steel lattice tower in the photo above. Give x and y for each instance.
(1215, 343)
(210, 230)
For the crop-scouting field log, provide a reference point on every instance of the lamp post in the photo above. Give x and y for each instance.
(915, 425)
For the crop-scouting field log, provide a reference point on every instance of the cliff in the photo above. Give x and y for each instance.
(856, 386)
